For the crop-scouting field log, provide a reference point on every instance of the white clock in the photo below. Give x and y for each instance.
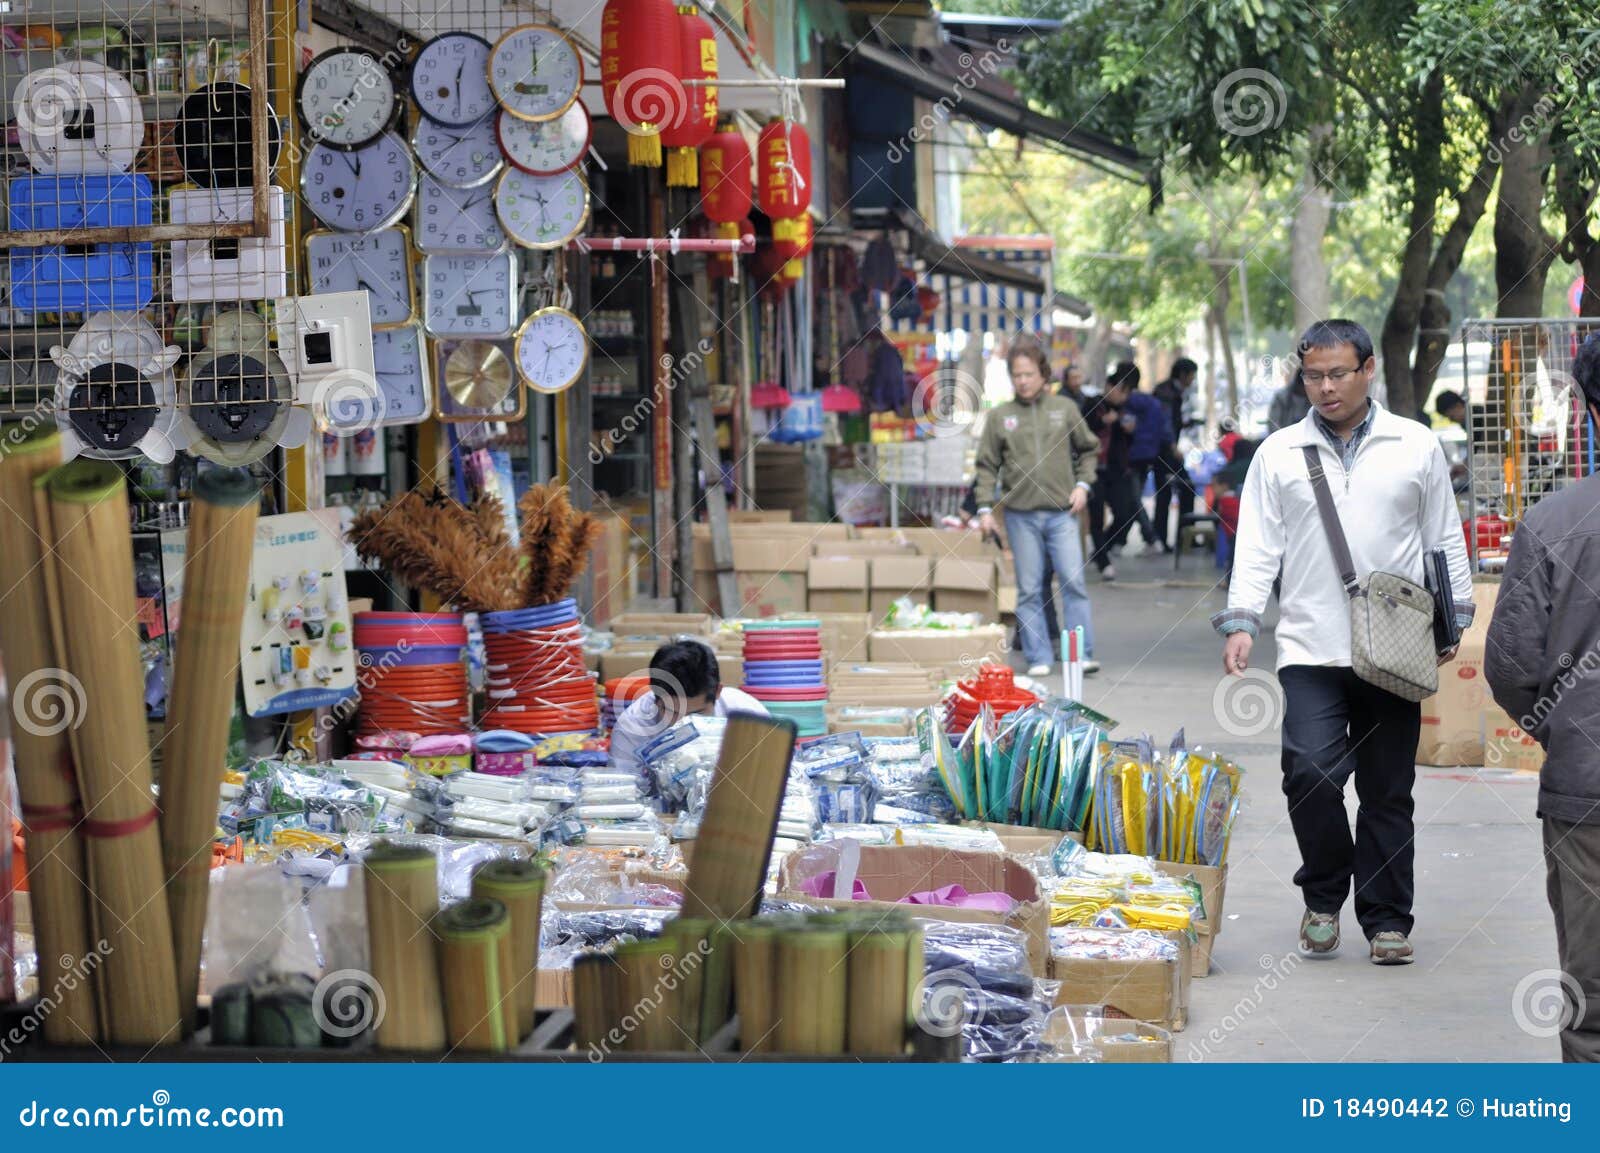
(542, 211)
(346, 98)
(536, 72)
(377, 263)
(236, 400)
(361, 189)
(78, 117)
(247, 268)
(469, 294)
(552, 350)
(545, 147)
(400, 359)
(456, 219)
(450, 81)
(116, 396)
(463, 157)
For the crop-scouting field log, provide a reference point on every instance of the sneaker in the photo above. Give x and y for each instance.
(1109, 573)
(1090, 667)
(1391, 948)
(1319, 934)
(1038, 670)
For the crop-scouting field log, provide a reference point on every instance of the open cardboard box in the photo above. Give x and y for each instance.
(893, 871)
(1153, 991)
(893, 577)
(965, 586)
(837, 584)
(1213, 884)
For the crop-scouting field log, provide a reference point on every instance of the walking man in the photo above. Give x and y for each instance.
(1172, 478)
(1036, 461)
(1391, 489)
(1539, 662)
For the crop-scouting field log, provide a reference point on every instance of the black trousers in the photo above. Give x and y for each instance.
(1336, 725)
(1572, 882)
(1172, 479)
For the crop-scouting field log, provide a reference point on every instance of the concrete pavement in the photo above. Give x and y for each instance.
(1484, 933)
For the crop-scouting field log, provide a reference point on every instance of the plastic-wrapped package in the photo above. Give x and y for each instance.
(458, 859)
(1111, 944)
(256, 924)
(1084, 1034)
(680, 761)
(563, 934)
(985, 968)
(866, 834)
(1119, 890)
(486, 787)
(956, 837)
(840, 778)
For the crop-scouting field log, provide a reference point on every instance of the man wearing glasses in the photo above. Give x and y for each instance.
(1391, 487)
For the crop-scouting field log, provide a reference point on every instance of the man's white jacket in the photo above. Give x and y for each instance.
(1395, 503)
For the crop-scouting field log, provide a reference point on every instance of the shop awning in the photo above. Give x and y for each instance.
(960, 83)
(985, 283)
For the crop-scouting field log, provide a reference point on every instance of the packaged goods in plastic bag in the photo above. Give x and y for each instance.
(1084, 1034)
(981, 972)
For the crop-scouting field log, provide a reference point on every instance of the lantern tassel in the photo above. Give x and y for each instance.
(644, 151)
(683, 168)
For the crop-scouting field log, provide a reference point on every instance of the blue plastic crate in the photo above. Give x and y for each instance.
(95, 278)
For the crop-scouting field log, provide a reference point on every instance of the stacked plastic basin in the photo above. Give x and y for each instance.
(783, 669)
(620, 692)
(537, 682)
(410, 673)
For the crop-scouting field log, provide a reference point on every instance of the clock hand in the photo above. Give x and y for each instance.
(459, 71)
(354, 161)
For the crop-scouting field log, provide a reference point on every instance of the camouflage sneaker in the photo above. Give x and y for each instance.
(1319, 934)
(1391, 948)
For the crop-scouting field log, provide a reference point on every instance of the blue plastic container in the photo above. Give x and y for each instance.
(105, 278)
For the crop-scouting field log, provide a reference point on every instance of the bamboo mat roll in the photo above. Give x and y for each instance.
(93, 573)
(519, 885)
(43, 710)
(216, 576)
(649, 996)
(755, 985)
(877, 991)
(402, 891)
(813, 973)
(474, 947)
(592, 975)
(691, 942)
(716, 1001)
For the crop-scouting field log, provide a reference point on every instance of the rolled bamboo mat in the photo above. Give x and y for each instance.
(519, 885)
(878, 996)
(691, 943)
(813, 974)
(755, 985)
(43, 710)
(402, 891)
(93, 572)
(474, 946)
(591, 1011)
(216, 576)
(648, 996)
(734, 844)
(716, 1000)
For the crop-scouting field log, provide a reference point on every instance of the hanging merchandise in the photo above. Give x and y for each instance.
(545, 147)
(346, 98)
(213, 139)
(400, 362)
(725, 182)
(116, 397)
(462, 157)
(469, 295)
(78, 118)
(795, 267)
(477, 375)
(542, 211)
(457, 219)
(450, 82)
(248, 268)
(535, 72)
(639, 66)
(359, 189)
(235, 399)
(697, 119)
(377, 263)
(552, 350)
(783, 171)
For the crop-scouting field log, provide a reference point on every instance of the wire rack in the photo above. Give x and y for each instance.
(1529, 433)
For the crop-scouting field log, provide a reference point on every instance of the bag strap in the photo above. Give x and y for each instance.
(1330, 521)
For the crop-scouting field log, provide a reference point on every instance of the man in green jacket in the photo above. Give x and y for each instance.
(1036, 462)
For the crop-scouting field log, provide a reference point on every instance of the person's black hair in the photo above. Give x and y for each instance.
(1126, 373)
(687, 667)
(1183, 366)
(1586, 369)
(1333, 333)
(1447, 400)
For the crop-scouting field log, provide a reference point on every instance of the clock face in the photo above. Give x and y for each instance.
(463, 157)
(400, 361)
(346, 98)
(113, 408)
(470, 295)
(213, 137)
(535, 72)
(450, 81)
(374, 262)
(552, 350)
(78, 117)
(456, 219)
(542, 211)
(359, 190)
(545, 147)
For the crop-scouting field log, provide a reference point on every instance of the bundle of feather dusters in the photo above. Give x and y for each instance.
(462, 553)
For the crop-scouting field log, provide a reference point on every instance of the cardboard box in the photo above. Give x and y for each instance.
(625, 662)
(663, 625)
(1006, 600)
(609, 563)
(1023, 840)
(954, 652)
(758, 551)
(771, 594)
(965, 586)
(759, 516)
(1086, 1034)
(870, 720)
(837, 584)
(1456, 718)
(844, 635)
(1156, 992)
(893, 871)
(1213, 884)
(554, 989)
(944, 544)
(861, 548)
(1505, 746)
(893, 577)
(872, 683)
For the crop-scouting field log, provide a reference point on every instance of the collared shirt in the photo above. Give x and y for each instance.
(1346, 449)
(640, 723)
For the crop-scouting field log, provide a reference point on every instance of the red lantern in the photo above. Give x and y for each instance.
(725, 182)
(639, 66)
(722, 265)
(783, 168)
(766, 267)
(795, 268)
(697, 43)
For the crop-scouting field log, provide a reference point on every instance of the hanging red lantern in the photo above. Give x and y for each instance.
(639, 73)
(783, 173)
(725, 182)
(722, 265)
(697, 44)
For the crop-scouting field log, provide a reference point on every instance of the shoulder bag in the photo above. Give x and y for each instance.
(1391, 618)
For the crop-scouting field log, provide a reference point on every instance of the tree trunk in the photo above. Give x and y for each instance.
(1308, 271)
(1522, 251)
(1210, 387)
(1219, 318)
(1576, 194)
(1095, 349)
